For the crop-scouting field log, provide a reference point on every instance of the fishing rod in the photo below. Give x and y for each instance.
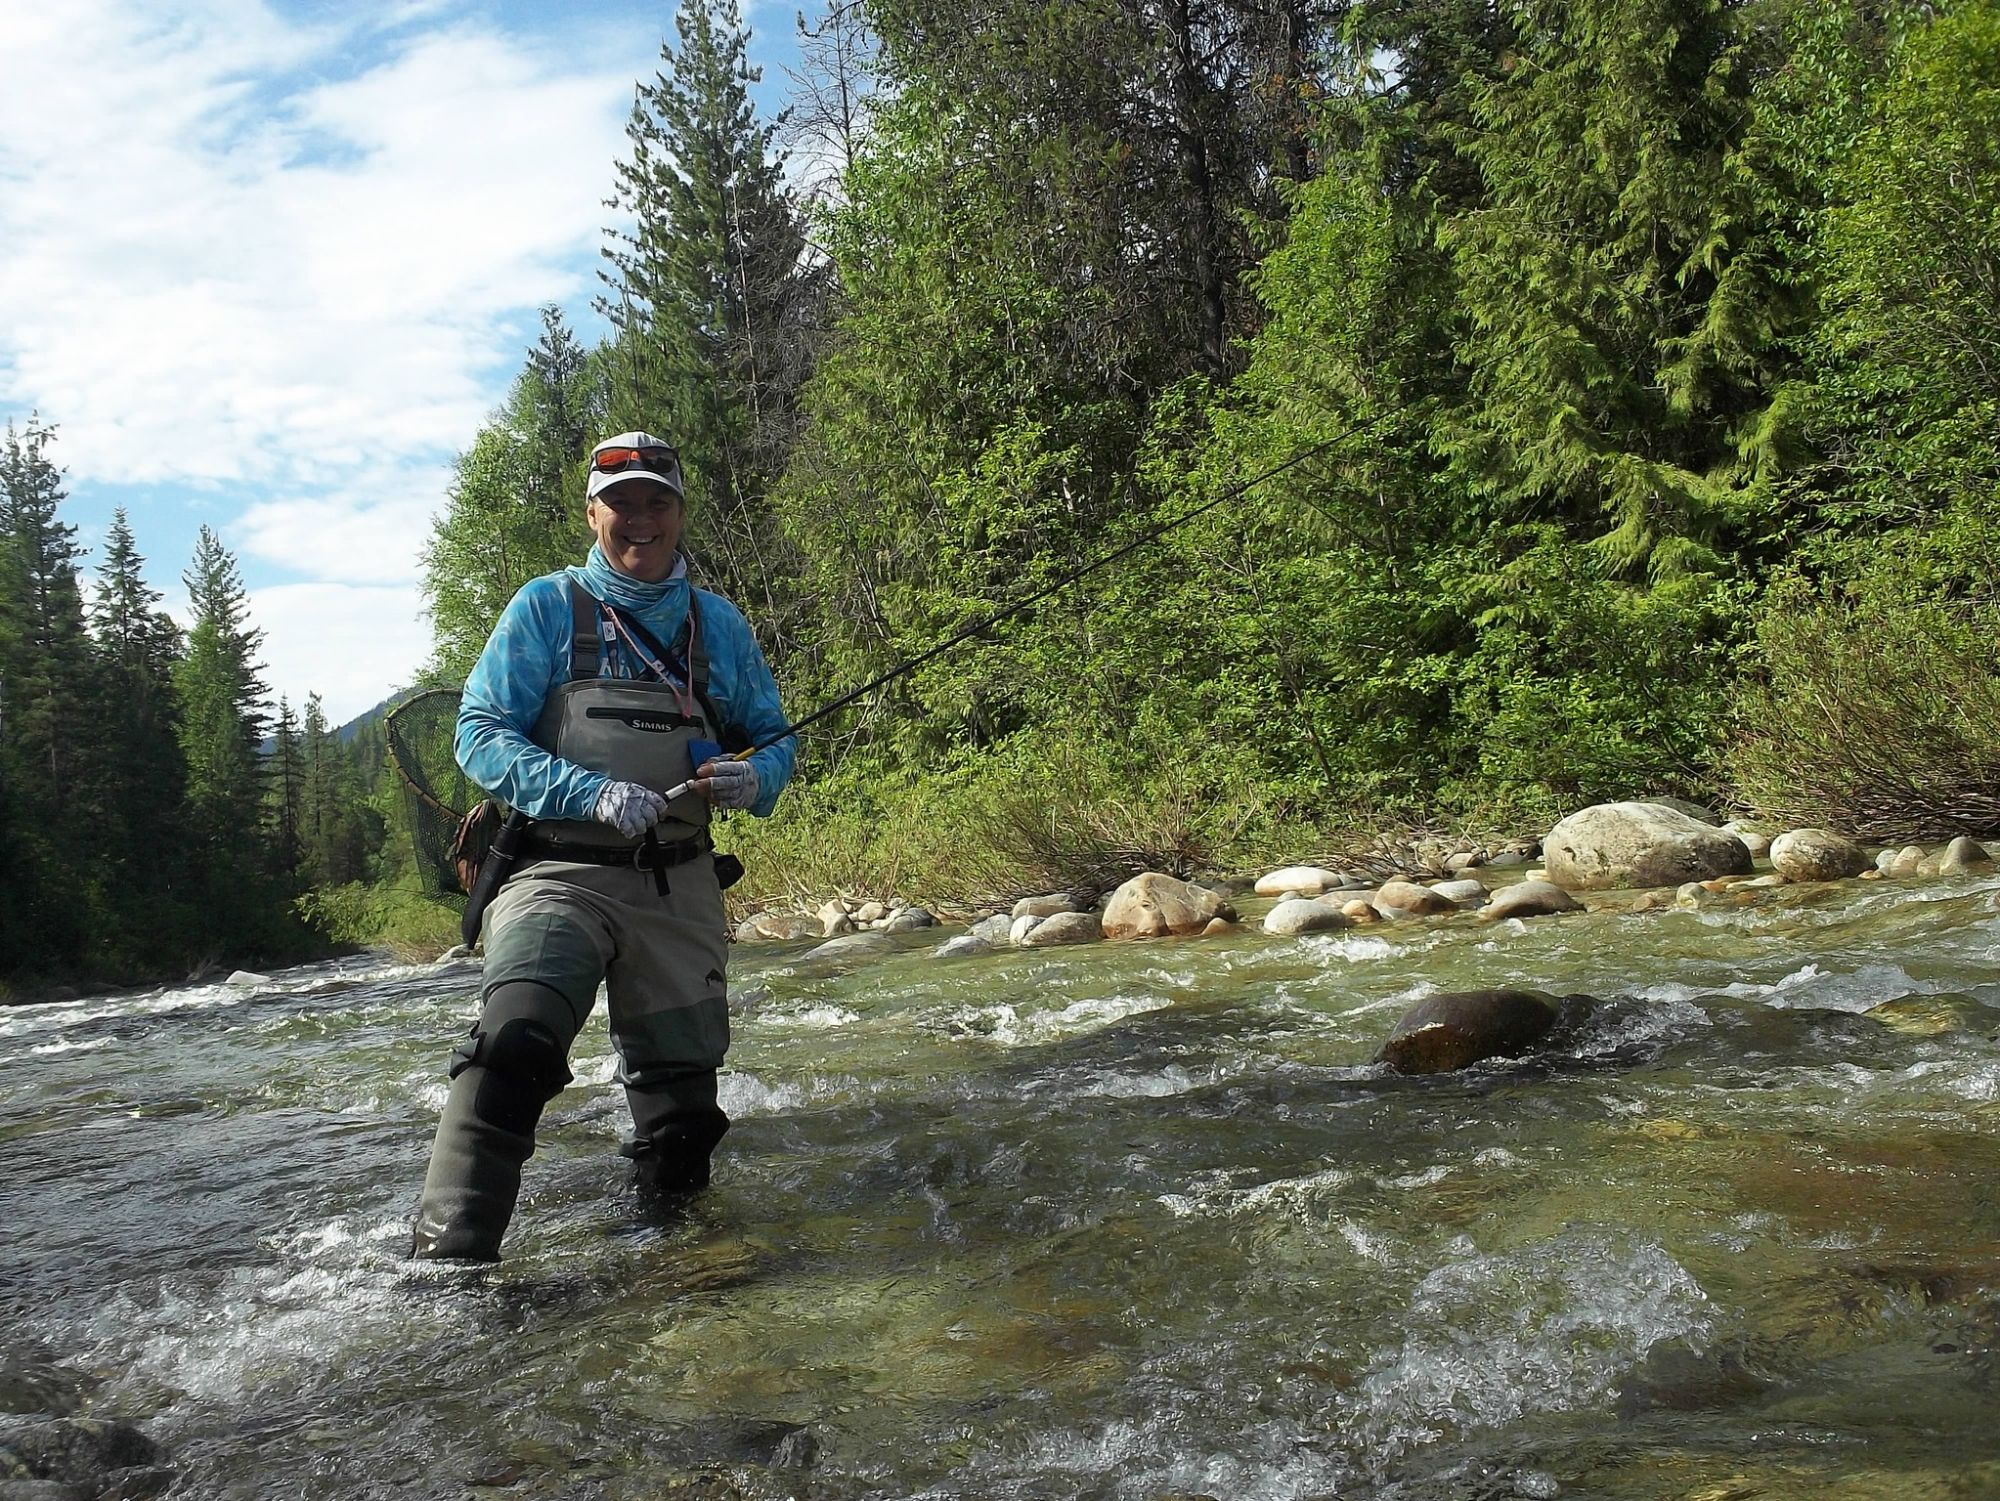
(903, 669)
(504, 840)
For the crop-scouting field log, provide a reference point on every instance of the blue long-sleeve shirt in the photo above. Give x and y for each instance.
(528, 655)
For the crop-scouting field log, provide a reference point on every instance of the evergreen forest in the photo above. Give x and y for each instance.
(158, 817)
(1602, 398)
(1609, 386)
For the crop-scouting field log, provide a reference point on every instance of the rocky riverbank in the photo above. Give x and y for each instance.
(1636, 855)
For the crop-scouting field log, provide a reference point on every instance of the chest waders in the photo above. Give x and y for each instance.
(516, 1059)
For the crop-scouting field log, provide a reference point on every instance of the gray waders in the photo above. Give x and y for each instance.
(584, 907)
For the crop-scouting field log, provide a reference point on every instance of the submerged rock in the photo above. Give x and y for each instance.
(849, 946)
(1296, 915)
(30, 1383)
(1529, 899)
(965, 943)
(778, 927)
(1155, 905)
(1464, 892)
(1362, 912)
(75, 1452)
(1817, 855)
(1064, 927)
(1451, 1031)
(1615, 845)
(1408, 899)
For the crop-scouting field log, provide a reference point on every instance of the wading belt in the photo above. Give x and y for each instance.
(650, 856)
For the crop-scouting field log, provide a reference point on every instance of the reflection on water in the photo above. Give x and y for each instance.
(1116, 1221)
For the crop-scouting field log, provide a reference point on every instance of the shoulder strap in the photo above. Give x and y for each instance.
(585, 644)
(697, 657)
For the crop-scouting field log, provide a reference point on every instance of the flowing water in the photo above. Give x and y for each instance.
(1127, 1220)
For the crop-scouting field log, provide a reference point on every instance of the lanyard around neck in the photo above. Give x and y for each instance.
(681, 682)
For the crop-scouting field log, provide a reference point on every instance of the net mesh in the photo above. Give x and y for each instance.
(436, 793)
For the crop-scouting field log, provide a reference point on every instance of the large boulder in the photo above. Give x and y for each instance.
(1450, 1031)
(1529, 899)
(1155, 905)
(1817, 855)
(1613, 845)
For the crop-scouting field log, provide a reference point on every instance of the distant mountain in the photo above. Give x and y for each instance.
(368, 717)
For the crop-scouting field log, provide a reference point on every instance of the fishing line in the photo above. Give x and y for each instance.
(902, 669)
(410, 728)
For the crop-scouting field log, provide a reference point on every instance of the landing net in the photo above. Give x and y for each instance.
(436, 794)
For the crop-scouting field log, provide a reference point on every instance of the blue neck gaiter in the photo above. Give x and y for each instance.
(626, 592)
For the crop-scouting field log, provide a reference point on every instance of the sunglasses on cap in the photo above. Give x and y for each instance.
(663, 461)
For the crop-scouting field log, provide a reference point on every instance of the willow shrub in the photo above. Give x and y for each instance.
(1876, 712)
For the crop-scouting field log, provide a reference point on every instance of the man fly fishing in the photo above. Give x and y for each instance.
(599, 711)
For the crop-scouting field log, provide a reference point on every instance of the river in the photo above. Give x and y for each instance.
(1125, 1220)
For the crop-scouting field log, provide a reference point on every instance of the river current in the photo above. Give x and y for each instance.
(1117, 1221)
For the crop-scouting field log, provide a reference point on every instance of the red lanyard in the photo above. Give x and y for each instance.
(616, 629)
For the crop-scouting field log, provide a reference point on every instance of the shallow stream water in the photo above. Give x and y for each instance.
(1126, 1220)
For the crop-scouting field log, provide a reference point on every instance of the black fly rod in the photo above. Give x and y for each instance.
(902, 669)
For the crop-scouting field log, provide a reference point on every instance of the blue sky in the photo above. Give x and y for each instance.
(268, 266)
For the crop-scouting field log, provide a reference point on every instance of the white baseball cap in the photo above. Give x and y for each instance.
(631, 456)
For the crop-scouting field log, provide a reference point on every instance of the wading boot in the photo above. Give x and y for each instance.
(513, 1064)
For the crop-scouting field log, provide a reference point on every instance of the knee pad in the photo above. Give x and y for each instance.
(523, 1034)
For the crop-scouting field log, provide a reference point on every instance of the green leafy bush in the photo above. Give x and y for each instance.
(1877, 711)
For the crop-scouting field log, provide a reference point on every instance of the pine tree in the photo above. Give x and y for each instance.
(1620, 280)
(515, 503)
(45, 701)
(142, 777)
(46, 695)
(706, 295)
(222, 724)
(285, 777)
(338, 828)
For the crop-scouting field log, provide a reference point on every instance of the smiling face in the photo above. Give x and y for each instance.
(638, 524)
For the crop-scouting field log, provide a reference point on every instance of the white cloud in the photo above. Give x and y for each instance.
(244, 271)
(350, 644)
(369, 531)
(291, 266)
